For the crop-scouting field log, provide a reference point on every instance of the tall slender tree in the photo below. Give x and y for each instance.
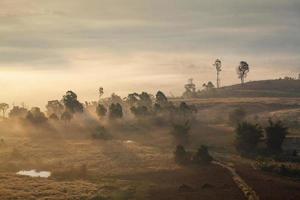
(218, 65)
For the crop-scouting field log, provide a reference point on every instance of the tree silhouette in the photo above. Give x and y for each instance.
(4, 107)
(54, 107)
(101, 110)
(115, 111)
(18, 112)
(161, 99)
(218, 66)
(35, 116)
(243, 70)
(247, 136)
(71, 103)
(275, 134)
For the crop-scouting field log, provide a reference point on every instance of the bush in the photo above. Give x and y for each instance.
(275, 135)
(247, 137)
(202, 156)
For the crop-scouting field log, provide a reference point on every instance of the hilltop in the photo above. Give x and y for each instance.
(264, 88)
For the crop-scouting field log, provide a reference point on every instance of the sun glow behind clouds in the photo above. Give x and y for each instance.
(48, 47)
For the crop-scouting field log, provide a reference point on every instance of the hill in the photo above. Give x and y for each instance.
(264, 88)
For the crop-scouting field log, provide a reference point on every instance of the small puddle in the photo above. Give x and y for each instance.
(34, 173)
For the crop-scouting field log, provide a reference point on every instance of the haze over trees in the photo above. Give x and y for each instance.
(4, 107)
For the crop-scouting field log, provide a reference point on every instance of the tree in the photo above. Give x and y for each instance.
(140, 111)
(218, 66)
(242, 71)
(247, 136)
(101, 110)
(275, 135)
(66, 117)
(237, 115)
(35, 116)
(101, 92)
(71, 103)
(145, 100)
(132, 99)
(115, 111)
(18, 112)
(161, 99)
(202, 156)
(54, 107)
(209, 86)
(3, 108)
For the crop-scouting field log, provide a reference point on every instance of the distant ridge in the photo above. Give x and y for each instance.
(264, 88)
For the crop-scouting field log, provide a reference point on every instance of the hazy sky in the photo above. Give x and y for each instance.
(50, 46)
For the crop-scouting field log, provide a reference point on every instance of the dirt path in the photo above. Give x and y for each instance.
(249, 193)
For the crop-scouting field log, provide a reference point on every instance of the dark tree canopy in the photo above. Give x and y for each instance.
(35, 116)
(115, 111)
(275, 134)
(161, 99)
(145, 100)
(101, 110)
(71, 103)
(247, 136)
(140, 111)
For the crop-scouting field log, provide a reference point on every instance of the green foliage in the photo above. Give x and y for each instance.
(247, 137)
(275, 135)
(71, 103)
(115, 111)
(237, 116)
(101, 110)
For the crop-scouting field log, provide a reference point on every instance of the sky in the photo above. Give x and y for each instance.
(50, 46)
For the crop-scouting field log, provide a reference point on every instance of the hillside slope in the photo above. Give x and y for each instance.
(265, 88)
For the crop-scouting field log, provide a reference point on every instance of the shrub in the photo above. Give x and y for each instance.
(202, 156)
(247, 136)
(275, 135)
